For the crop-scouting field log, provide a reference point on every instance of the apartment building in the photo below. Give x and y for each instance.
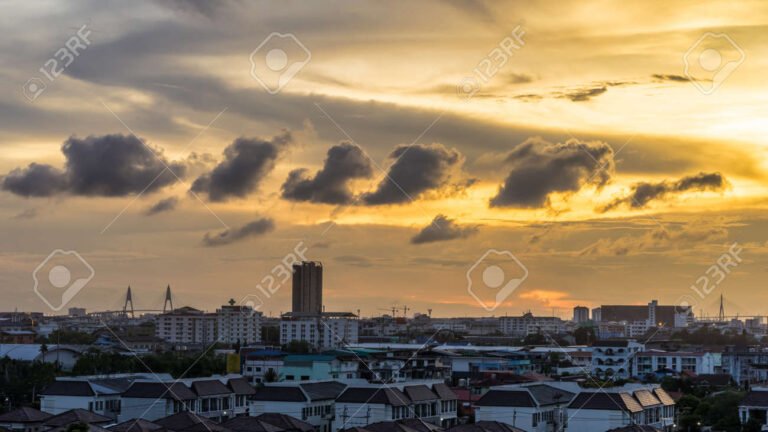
(329, 330)
(230, 324)
(647, 362)
(614, 358)
(528, 324)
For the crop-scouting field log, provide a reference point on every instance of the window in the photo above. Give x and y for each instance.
(289, 378)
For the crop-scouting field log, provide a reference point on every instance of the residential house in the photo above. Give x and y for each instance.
(313, 403)
(24, 419)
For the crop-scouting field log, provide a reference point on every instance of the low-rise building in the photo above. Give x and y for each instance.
(614, 358)
(652, 361)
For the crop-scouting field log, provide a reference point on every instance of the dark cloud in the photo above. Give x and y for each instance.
(251, 229)
(670, 77)
(108, 165)
(519, 78)
(443, 229)
(164, 205)
(246, 162)
(642, 193)
(36, 180)
(344, 162)
(417, 169)
(583, 95)
(540, 168)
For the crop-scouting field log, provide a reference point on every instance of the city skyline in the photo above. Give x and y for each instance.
(606, 155)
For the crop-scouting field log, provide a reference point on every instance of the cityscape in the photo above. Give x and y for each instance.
(362, 216)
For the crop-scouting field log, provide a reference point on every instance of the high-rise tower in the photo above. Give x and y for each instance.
(308, 287)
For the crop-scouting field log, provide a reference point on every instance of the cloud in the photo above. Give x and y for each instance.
(344, 162)
(642, 193)
(540, 168)
(660, 239)
(36, 180)
(107, 165)
(443, 229)
(164, 205)
(519, 78)
(417, 169)
(252, 229)
(583, 95)
(247, 161)
(670, 77)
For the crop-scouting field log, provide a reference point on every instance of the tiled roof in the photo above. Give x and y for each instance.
(24, 415)
(646, 398)
(240, 386)
(286, 422)
(136, 425)
(374, 395)
(548, 395)
(76, 416)
(389, 426)
(663, 396)
(755, 399)
(420, 425)
(419, 393)
(68, 388)
(507, 398)
(444, 392)
(606, 402)
(279, 394)
(484, 426)
(249, 424)
(185, 420)
(323, 390)
(155, 390)
(209, 388)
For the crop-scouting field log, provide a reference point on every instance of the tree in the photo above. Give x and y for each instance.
(298, 347)
(270, 376)
(78, 427)
(584, 335)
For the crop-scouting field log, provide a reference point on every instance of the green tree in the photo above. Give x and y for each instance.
(298, 347)
(584, 335)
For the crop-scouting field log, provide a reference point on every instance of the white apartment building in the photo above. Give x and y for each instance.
(186, 325)
(327, 331)
(238, 324)
(312, 402)
(529, 324)
(647, 362)
(614, 358)
(230, 324)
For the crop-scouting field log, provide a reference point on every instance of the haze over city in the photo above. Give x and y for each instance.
(616, 150)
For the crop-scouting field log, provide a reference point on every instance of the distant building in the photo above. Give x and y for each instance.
(231, 324)
(652, 313)
(186, 326)
(238, 324)
(580, 314)
(325, 331)
(308, 287)
(77, 312)
(529, 324)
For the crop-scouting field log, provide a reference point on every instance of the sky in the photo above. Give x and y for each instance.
(459, 158)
